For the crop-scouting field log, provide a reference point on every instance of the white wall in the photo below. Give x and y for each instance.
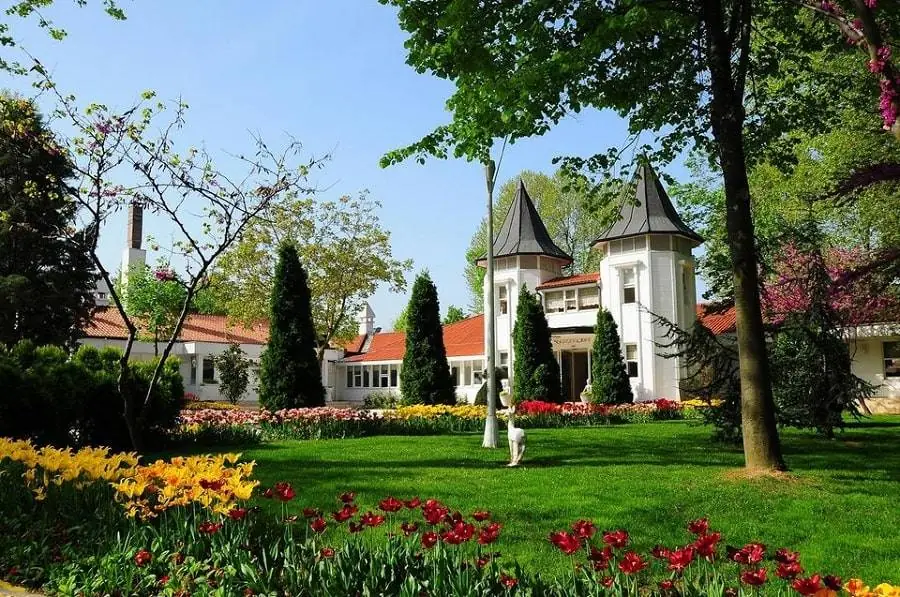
(868, 364)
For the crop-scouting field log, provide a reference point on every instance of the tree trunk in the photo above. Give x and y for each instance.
(762, 448)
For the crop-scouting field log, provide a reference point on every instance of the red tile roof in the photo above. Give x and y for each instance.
(461, 339)
(576, 280)
(354, 345)
(107, 323)
(718, 322)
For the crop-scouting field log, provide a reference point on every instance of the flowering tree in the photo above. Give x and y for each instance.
(154, 297)
(855, 292)
(118, 159)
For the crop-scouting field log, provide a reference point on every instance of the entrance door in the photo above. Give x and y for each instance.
(579, 375)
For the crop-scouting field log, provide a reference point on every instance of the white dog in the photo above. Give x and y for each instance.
(516, 438)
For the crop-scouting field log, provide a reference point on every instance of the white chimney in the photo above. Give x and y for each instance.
(366, 320)
(133, 256)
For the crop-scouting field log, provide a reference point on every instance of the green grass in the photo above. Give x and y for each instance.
(840, 507)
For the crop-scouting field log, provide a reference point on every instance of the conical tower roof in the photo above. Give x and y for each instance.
(651, 213)
(523, 232)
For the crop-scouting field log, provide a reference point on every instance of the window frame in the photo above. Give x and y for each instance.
(894, 360)
(629, 286)
(632, 365)
(502, 299)
(212, 378)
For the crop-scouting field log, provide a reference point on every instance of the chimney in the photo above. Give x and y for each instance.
(135, 225)
(366, 320)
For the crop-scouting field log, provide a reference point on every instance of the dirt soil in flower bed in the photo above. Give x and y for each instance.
(838, 506)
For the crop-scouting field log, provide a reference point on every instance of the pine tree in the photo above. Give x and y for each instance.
(46, 274)
(425, 377)
(289, 375)
(609, 376)
(535, 370)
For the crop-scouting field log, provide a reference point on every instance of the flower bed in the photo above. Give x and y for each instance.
(105, 524)
(239, 426)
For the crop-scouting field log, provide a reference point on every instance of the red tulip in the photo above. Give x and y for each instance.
(706, 545)
(754, 578)
(269, 493)
(142, 558)
(209, 528)
(616, 539)
(390, 504)
(434, 514)
(237, 513)
(681, 559)
(429, 539)
(699, 526)
(660, 552)
(284, 491)
(584, 529)
(788, 570)
(356, 527)
(213, 485)
(833, 582)
(409, 528)
(786, 556)
(752, 553)
(600, 557)
(489, 534)
(808, 586)
(666, 585)
(413, 503)
(370, 519)
(326, 553)
(178, 558)
(347, 497)
(632, 563)
(566, 542)
(607, 581)
(344, 514)
(312, 513)
(508, 581)
(318, 525)
(481, 515)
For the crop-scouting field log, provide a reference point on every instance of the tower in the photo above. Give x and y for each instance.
(525, 254)
(133, 256)
(366, 320)
(647, 268)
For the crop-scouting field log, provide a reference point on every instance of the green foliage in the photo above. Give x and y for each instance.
(344, 246)
(609, 376)
(425, 376)
(289, 375)
(567, 210)
(52, 398)
(535, 370)
(386, 399)
(234, 373)
(46, 274)
(399, 324)
(454, 314)
(154, 297)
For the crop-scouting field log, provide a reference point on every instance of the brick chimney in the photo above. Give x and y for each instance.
(135, 226)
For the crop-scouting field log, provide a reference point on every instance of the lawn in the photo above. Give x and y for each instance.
(840, 507)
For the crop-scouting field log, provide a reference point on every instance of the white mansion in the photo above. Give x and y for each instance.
(646, 267)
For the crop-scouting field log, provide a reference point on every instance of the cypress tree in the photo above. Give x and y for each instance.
(609, 376)
(425, 377)
(535, 370)
(289, 374)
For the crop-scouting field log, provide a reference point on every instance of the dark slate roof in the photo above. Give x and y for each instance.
(523, 232)
(652, 213)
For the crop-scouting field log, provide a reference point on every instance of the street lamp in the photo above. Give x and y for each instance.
(490, 424)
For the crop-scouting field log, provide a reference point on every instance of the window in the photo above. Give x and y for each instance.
(357, 377)
(554, 302)
(372, 376)
(376, 376)
(629, 292)
(528, 262)
(454, 373)
(891, 359)
(660, 243)
(504, 358)
(394, 370)
(386, 376)
(588, 298)
(502, 300)
(631, 359)
(209, 370)
(571, 300)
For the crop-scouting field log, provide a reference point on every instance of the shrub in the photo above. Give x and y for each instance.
(289, 374)
(425, 377)
(535, 369)
(52, 398)
(234, 373)
(380, 400)
(609, 377)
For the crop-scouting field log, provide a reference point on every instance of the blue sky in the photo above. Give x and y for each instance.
(332, 74)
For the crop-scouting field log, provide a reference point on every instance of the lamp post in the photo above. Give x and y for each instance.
(490, 424)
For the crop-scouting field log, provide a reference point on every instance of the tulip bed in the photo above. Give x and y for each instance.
(208, 426)
(94, 523)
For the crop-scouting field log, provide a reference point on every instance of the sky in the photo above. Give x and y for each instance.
(331, 74)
